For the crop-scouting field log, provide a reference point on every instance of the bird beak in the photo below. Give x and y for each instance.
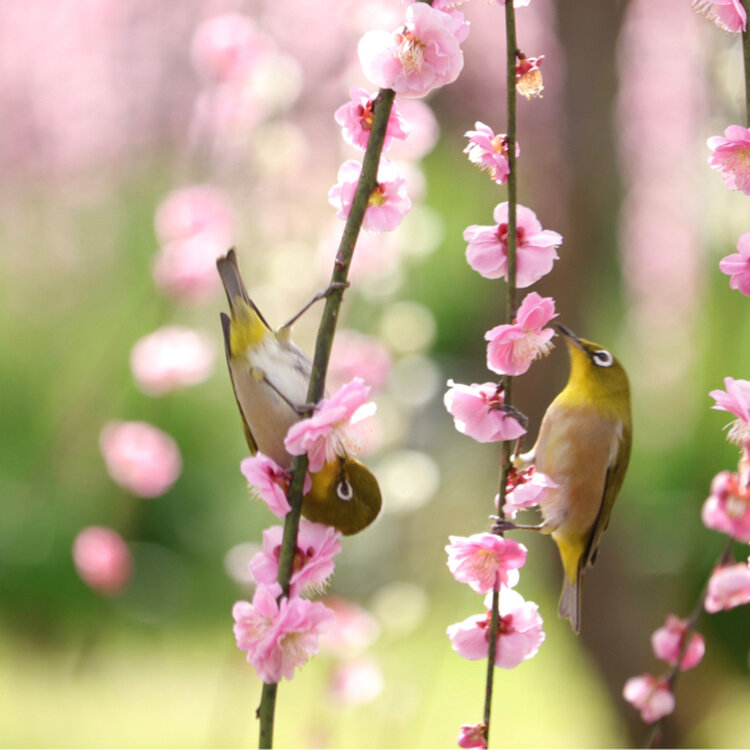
(565, 331)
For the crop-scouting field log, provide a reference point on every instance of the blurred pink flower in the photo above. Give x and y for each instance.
(736, 400)
(731, 156)
(728, 15)
(357, 354)
(356, 682)
(487, 252)
(356, 116)
(423, 128)
(317, 545)
(278, 637)
(476, 411)
(489, 151)
(727, 508)
(513, 347)
(667, 643)
(728, 587)
(140, 457)
(194, 225)
(485, 561)
(354, 629)
(171, 357)
(102, 559)
(650, 695)
(472, 735)
(529, 81)
(388, 202)
(269, 480)
(460, 27)
(519, 632)
(422, 55)
(527, 490)
(737, 266)
(226, 46)
(331, 431)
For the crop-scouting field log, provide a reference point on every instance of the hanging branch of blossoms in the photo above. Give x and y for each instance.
(517, 249)
(727, 509)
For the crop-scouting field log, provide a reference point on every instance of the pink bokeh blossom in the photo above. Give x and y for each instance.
(472, 735)
(487, 251)
(270, 481)
(388, 202)
(728, 15)
(736, 400)
(485, 561)
(489, 151)
(421, 56)
(737, 266)
(667, 643)
(317, 545)
(727, 508)
(140, 458)
(278, 636)
(526, 490)
(356, 682)
(102, 559)
(513, 347)
(171, 357)
(519, 632)
(357, 354)
(650, 695)
(728, 587)
(332, 430)
(424, 131)
(356, 116)
(477, 412)
(731, 156)
(354, 630)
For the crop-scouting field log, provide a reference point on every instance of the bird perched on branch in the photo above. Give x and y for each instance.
(270, 377)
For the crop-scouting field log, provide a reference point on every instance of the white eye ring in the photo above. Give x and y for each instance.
(344, 490)
(603, 358)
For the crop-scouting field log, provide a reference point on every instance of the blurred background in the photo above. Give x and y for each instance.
(132, 153)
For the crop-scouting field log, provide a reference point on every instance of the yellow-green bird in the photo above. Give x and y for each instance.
(270, 377)
(584, 446)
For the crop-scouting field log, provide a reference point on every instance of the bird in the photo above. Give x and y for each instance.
(270, 376)
(584, 446)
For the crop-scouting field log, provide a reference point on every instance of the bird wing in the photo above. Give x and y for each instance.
(612, 483)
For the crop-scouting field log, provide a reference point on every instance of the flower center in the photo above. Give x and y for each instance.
(366, 115)
(502, 235)
(739, 161)
(410, 52)
(736, 506)
(500, 144)
(377, 196)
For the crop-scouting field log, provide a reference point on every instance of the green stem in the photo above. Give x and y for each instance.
(367, 182)
(510, 314)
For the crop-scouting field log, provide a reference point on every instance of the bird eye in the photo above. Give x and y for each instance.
(602, 358)
(344, 490)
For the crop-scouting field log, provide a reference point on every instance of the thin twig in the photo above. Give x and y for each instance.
(367, 181)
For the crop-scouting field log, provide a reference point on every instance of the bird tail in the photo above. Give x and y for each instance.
(571, 554)
(234, 286)
(570, 602)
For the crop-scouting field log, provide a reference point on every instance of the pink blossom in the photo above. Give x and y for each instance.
(728, 15)
(423, 128)
(356, 354)
(460, 28)
(329, 432)
(731, 156)
(513, 347)
(487, 252)
(737, 266)
(728, 587)
(667, 643)
(278, 636)
(356, 682)
(736, 400)
(489, 151)
(529, 81)
(169, 358)
(270, 481)
(356, 116)
(519, 632)
(194, 210)
(727, 508)
(140, 457)
(477, 412)
(317, 545)
(472, 735)
(102, 559)
(485, 561)
(650, 695)
(388, 202)
(354, 630)
(224, 47)
(423, 55)
(527, 490)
